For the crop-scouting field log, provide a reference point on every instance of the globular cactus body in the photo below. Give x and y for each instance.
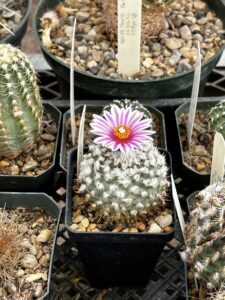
(134, 104)
(20, 105)
(205, 237)
(125, 184)
(217, 118)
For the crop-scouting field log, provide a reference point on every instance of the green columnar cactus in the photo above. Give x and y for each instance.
(124, 173)
(205, 237)
(20, 105)
(217, 117)
(134, 104)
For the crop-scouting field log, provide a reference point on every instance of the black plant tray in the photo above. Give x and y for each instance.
(168, 280)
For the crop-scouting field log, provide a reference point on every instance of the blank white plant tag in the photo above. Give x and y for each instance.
(129, 36)
(194, 95)
(80, 143)
(218, 159)
(177, 205)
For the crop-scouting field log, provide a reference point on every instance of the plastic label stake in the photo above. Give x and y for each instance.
(129, 36)
(80, 143)
(218, 159)
(194, 95)
(177, 205)
(72, 98)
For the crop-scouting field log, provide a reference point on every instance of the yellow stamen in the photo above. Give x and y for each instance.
(122, 132)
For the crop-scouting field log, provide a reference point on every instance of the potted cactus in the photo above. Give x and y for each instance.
(196, 159)
(28, 129)
(11, 32)
(119, 210)
(204, 239)
(168, 49)
(158, 124)
(28, 231)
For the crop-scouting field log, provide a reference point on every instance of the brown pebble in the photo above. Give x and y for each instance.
(141, 226)
(92, 227)
(118, 229)
(48, 137)
(200, 167)
(168, 229)
(4, 164)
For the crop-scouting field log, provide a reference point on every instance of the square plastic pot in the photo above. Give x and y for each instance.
(34, 183)
(116, 259)
(97, 109)
(196, 179)
(30, 200)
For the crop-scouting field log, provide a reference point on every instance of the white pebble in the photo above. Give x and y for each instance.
(155, 228)
(33, 277)
(29, 262)
(164, 221)
(44, 236)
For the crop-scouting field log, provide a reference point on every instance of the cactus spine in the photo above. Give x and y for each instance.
(205, 237)
(217, 118)
(20, 104)
(134, 104)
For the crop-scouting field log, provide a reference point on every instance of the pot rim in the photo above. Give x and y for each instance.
(21, 24)
(85, 73)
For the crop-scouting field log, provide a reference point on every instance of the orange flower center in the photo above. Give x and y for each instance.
(122, 132)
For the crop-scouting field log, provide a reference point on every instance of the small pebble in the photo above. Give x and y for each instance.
(164, 221)
(155, 228)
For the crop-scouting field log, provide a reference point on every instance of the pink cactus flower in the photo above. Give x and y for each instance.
(122, 129)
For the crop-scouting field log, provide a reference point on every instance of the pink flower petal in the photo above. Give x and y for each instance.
(135, 119)
(127, 115)
(110, 119)
(115, 111)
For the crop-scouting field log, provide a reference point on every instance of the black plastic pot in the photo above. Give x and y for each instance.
(97, 87)
(116, 259)
(29, 200)
(196, 179)
(97, 108)
(39, 182)
(20, 31)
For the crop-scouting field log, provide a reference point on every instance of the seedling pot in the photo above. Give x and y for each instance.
(39, 182)
(116, 259)
(197, 180)
(20, 31)
(13, 200)
(98, 109)
(96, 87)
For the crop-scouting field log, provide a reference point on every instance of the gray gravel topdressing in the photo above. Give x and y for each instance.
(174, 51)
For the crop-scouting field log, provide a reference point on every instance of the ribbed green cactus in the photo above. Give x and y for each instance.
(124, 185)
(134, 104)
(205, 237)
(217, 118)
(20, 105)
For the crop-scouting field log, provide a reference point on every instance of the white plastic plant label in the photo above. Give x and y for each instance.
(129, 36)
(177, 205)
(218, 159)
(80, 143)
(194, 95)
